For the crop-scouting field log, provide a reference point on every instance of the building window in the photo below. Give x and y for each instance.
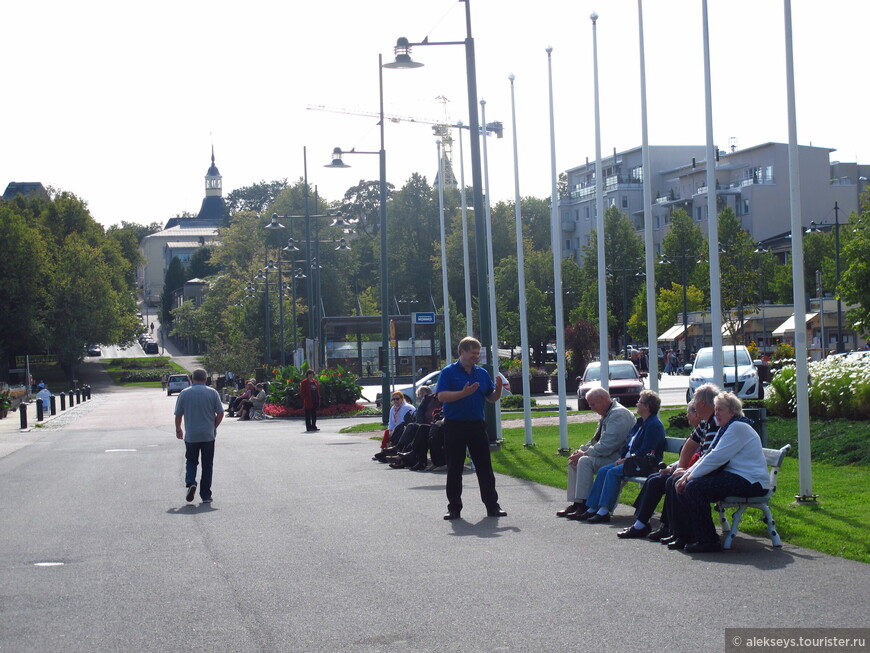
(568, 244)
(698, 213)
(657, 224)
(625, 201)
(745, 205)
(586, 211)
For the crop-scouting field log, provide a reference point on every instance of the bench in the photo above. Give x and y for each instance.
(672, 445)
(774, 459)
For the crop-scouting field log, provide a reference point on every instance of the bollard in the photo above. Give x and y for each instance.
(71, 399)
(63, 401)
(39, 411)
(22, 409)
(78, 396)
(89, 391)
(53, 406)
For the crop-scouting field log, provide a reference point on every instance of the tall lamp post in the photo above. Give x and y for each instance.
(403, 60)
(385, 294)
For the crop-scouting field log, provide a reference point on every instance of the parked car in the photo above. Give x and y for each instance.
(550, 354)
(748, 385)
(151, 347)
(431, 380)
(94, 350)
(177, 383)
(624, 383)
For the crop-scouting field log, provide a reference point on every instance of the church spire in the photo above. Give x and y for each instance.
(213, 179)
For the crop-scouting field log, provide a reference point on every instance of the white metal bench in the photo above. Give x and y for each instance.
(774, 459)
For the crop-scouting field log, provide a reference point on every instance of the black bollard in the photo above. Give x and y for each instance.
(72, 399)
(53, 406)
(39, 411)
(88, 388)
(63, 401)
(22, 409)
(78, 396)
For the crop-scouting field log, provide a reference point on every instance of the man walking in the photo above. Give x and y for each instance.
(462, 389)
(203, 411)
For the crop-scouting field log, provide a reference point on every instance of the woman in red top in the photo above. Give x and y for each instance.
(310, 392)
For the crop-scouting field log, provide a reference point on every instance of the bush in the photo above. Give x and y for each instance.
(837, 388)
(143, 375)
(515, 401)
(679, 421)
(338, 387)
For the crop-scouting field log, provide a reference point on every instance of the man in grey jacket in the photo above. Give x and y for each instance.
(202, 411)
(613, 429)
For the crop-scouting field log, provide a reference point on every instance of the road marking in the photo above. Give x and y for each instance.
(48, 564)
(117, 450)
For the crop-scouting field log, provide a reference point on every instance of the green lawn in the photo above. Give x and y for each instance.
(835, 524)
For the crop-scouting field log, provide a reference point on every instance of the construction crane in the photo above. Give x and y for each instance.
(442, 129)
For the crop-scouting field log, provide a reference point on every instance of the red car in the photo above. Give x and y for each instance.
(625, 384)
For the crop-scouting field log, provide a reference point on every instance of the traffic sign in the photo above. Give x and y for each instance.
(424, 318)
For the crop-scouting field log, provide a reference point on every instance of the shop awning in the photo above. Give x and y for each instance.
(788, 325)
(673, 333)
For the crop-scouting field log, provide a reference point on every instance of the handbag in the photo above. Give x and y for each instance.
(641, 465)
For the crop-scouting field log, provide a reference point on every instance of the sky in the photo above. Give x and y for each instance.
(121, 103)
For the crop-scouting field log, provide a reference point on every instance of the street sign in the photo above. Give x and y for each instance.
(424, 318)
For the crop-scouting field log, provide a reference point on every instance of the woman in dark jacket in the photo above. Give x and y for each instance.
(310, 392)
(647, 436)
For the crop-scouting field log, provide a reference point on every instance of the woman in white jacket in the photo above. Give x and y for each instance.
(734, 467)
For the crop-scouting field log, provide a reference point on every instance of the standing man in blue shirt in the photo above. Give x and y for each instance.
(202, 411)
(462, 388)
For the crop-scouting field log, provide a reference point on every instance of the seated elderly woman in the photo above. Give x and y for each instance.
(733, 467)
(647, 437)
(401, 413)
(414, 442)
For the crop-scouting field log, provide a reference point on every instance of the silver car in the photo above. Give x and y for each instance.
(734, 357)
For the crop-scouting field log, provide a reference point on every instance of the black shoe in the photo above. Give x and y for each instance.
(191, 492)
(660, 534)
(570, 510)
(703, 547)
(496, 512)
(451, 515)
(634, 533)
(598, 519)
(678, 544)
(419, 467)
(582, 516)
(668, 539)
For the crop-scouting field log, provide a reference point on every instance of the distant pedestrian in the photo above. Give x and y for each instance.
(310, 392)
(202, 410)
(44, 395)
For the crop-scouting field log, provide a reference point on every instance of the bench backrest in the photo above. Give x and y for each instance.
(674, 445)
(774, 458)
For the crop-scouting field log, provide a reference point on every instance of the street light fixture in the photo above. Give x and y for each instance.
(385, 295)
(403, 60)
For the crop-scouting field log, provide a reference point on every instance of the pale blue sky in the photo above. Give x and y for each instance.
(120, 103)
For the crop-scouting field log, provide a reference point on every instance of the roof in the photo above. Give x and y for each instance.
(15, 188)
(672, 333)
(788, 325)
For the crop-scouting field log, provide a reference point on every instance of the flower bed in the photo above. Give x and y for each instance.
(837, 388)
(277, 410)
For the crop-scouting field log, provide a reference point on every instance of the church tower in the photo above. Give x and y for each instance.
(213, 207)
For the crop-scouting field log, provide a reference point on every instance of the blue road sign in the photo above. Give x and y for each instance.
(424, 318)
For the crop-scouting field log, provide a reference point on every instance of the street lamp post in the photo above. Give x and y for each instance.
(385, 294)
(272, 227)
(403, 60)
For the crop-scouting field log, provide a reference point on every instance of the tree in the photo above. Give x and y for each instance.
(738, 272)
(176, 275)
(624, 256)
(257, 197)
(855, 278)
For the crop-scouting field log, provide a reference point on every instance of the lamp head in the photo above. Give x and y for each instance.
(274, 224)
(336, 159)
(291, 245)
(342, 245)
(403, 55)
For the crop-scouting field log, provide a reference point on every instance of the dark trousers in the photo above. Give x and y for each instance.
(701, 492)
(673, 512)
(310, 419)
(459, 435)
(653, 491)
(193, 451)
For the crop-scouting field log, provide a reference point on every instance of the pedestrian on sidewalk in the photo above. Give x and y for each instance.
(462, 389)
(202, 410)
(310, 391)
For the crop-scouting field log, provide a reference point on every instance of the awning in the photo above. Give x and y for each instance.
(673, 333)
(788, 325)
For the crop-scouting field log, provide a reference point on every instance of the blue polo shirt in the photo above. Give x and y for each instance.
(470, 408)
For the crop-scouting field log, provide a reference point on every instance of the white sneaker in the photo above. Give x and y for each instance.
(191, 492)
(206, 500)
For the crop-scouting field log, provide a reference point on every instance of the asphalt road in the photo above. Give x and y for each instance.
(311, 546)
